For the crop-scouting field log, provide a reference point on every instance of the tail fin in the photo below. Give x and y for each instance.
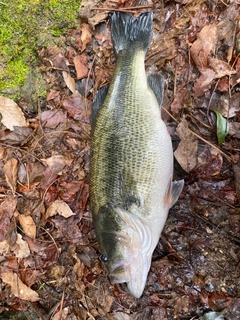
(127, 30)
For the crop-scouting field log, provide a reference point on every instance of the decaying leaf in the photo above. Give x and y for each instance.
(52, 118)
(204, 45)
(12, 115)
(221, 68)
(10, 170)
(80, 63)
(203, 82)
(20, 248)
(86, 35)
(28, 225)
(222, 126)
(57, 163)
(4, 247)
(61, 315)
(19, 289)
(186, 153)
(70, 82)
(59, 207)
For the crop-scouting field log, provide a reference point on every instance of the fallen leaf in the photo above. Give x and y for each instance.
(20, 248)
(234, 129)
(210, 162)
(70, 82)
(28, 225)
(203, 82)
(11, 172)
(203, 46)
(19, 289)
(52, 118)
(186, 153)
(4, 247)
(7, 209)
(75, 106)
(12, 115)
(80, 63)
(222, 127)
(180, 99)
(17, 136)
(56, 163)
(61, 315)
(220, 67)
(59, 207)
(86, 35)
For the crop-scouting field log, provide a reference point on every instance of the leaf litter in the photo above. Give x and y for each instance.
(48, 251)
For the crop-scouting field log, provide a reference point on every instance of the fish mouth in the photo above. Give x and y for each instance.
(119, 272)
(133, 273)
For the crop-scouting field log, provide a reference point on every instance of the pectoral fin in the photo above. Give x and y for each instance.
(173, 192)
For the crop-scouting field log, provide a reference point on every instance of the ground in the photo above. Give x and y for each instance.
(50, 264)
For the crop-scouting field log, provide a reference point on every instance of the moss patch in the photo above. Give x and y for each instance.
(25, 27)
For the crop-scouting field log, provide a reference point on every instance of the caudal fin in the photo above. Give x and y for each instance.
(129, 32)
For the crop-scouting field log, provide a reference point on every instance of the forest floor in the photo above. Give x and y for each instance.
(50, 264)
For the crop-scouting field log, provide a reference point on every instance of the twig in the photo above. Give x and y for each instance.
(200, 138)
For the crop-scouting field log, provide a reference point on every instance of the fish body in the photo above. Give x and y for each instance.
(131, 162)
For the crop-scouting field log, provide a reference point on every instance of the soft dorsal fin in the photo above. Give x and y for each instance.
(98, 101)
(156, 83)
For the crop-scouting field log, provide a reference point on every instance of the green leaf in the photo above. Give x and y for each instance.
(222, 126)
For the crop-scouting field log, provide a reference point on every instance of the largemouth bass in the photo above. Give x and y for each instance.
(131, 163)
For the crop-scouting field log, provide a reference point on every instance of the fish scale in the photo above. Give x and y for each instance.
(131, 162)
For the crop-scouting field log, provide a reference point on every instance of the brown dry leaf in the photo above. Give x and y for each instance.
(86, 35)
(61, 315)
(203, 46)
(17, 136)
(4, 247)
(180, 99)
(234, 129)
(57, 163)
(19, 289)
(203, 83)
(11, 171)
(75, 106)
(210, 162)
(70, 82)
(12, 115)
(52, 118)
(28, 225)
(186, 153)
(20, 248)
(7, 209)
(80, 63)
(118, 316)
(59, 207)
(220, 67)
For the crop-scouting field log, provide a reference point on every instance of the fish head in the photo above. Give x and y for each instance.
(127, 252)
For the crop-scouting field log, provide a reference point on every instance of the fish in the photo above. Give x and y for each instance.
(131, 158)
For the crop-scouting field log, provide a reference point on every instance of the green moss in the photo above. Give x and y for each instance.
(26, 26)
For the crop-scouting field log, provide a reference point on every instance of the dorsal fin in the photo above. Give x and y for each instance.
(156, 83)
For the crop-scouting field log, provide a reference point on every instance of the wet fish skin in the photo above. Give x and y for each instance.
(131, 163)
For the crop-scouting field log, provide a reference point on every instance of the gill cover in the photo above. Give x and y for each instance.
(136, 239)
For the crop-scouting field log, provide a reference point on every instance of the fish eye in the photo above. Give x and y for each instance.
(104, 258)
